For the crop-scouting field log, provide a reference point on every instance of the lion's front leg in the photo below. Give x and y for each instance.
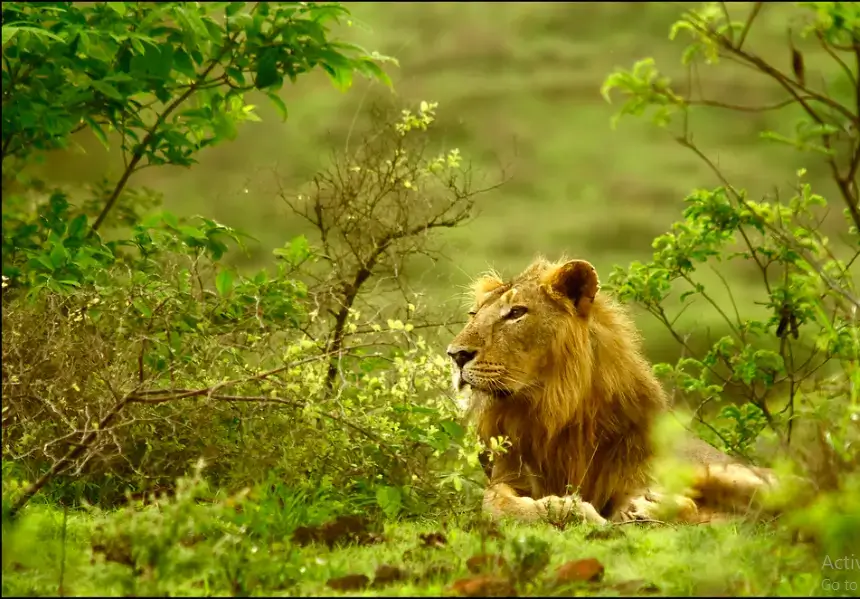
(501, 500)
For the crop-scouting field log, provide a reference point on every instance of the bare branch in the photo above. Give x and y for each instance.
(748, 25)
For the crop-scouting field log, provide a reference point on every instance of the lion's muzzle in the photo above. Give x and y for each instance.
(461, 355)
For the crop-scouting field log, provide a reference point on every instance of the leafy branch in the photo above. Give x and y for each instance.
(806, 277)
(70, 61)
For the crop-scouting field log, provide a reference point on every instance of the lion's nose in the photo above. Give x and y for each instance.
(460, 356)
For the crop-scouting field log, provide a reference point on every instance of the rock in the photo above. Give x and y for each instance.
(485, 585)
(350, 582)
(580, 570)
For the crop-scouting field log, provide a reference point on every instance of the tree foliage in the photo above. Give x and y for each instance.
(160, 81)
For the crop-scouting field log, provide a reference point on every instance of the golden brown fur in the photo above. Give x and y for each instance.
(557, 369)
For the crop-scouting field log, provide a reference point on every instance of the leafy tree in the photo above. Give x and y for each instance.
(164, 80)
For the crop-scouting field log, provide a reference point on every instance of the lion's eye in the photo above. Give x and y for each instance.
(472, 312)
(516, 312)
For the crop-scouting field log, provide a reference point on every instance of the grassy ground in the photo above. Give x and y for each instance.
(518, 86)
(421, 559)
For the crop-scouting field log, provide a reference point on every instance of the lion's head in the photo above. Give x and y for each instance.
(547, 338)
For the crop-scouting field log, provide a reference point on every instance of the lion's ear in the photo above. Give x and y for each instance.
(484, 285)
(577, 281)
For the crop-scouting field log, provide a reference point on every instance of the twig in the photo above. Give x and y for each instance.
(140, 149)
(134, 396)
(294, 403)
(732, 300)
(715, 305)
(739, 108)
(209, 391)
(642, 521)
(753, 14)
(845, 68)
(776, 232)
(728, 19)
(73, 454)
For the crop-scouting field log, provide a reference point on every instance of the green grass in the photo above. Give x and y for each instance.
(729, 559)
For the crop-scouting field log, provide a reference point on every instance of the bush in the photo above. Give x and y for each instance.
(126, 360)
(794, 366)
(168, 356)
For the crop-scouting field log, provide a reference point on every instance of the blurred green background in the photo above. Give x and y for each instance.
(518, 86)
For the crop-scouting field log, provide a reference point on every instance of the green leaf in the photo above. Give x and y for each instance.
(142, 307)
(156, 61)
(279, 104)
(55, 286)
(44, 261)
(267, 71)
(192, 19)
(108, 90)
(233, 8)
(192, 232)
(78, 227)
(150, 221)
(342, 78)
(170, 219)
(453, 429)
(58, 256)
(182, 63)
(117, 7)
(225, 127)
(97, 131)
(137, 45)
(371, 69)
(389, 500)
(224, 283)
(10, 31)
(297, 250)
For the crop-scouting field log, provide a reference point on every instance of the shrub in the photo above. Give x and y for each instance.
(124, 382)
(128, 357)
(795, 366)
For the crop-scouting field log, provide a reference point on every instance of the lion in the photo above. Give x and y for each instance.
(558, 369)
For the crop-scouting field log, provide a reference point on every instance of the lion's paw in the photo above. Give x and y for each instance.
(656, 506)
(639, 508)
(568, 509)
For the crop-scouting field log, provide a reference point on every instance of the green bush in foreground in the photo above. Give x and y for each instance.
(196, 544)
(169, 356)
